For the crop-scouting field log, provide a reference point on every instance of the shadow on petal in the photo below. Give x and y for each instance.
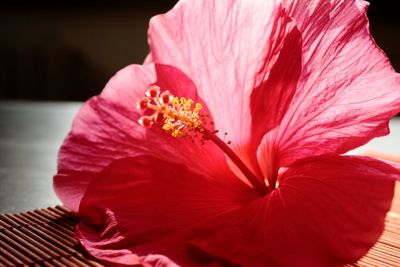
(325, 212)
(143, 205)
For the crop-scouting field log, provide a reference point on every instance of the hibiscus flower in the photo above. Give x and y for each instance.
(294, 84)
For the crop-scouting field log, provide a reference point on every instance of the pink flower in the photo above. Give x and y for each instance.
(294, 84)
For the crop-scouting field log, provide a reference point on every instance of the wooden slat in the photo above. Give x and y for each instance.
(44, 237)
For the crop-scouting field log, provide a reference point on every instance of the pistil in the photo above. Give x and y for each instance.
(256, 182)
(180, 120)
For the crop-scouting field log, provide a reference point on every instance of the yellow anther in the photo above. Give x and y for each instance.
(187, 104)
(197, 108)
(167, 126)
(175, 101)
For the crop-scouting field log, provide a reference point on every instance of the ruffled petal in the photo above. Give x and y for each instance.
(325, 212)
(229, 49)
(137, 203)
(347, 91)
(106, 129)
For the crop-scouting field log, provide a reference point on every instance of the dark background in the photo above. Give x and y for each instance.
(69, 50)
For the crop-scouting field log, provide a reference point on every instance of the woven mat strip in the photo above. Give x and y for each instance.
(44, 237)
(41, 238)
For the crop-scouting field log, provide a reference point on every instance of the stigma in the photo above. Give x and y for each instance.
(179, 116)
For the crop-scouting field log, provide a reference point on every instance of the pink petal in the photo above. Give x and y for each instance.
(325, 212)
(347, 91)
(136, 203)
(106, 129)
(229, 48)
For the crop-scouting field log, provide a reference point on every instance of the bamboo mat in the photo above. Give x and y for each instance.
(45, 238)
(41, 238)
